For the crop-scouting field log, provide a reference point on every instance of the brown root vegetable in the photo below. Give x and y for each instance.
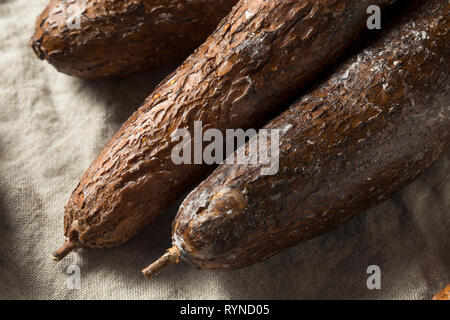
(368, 130)
(106, 38)
(258, 58)
(444, 294)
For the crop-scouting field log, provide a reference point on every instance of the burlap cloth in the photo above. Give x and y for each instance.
(52, 126)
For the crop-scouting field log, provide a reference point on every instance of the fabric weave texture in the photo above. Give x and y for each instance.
(52, 126)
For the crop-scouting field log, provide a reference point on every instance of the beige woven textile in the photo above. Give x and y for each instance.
(52, 126)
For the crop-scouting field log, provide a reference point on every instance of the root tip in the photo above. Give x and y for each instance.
(171, 256)
(66, 248)
(52, 257)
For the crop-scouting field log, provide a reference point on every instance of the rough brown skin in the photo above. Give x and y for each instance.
(441, 295)
(260, 56)
(368, 130)
(120, 37)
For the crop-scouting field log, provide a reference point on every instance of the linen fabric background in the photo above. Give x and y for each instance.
(52, 126)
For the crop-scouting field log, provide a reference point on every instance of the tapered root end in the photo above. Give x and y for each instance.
(66, 248)
(171, 256)
(35, 44)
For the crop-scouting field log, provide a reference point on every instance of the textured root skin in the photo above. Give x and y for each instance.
(252, 64)
(120, 37)
(444, 294)
(368, 130)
